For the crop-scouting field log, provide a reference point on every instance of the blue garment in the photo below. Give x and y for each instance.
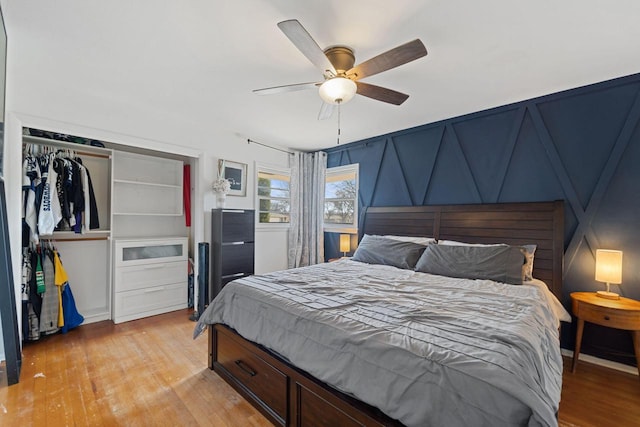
(72, 318)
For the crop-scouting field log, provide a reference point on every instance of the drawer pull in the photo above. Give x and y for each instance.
(152, 266)
(607, 318)
(156, 289)
(245, 368)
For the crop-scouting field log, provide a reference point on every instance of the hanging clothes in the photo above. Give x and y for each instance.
(78, 198)
(52, 309)
(94, 222)
(30, 181)
(30, 321)
(68, 317)
(60, 280)
(72, 318)
(60, 166)
(40, 285)
(49, 314)
(57, 194)
(50, 212)
(86, 212)
(35, 300)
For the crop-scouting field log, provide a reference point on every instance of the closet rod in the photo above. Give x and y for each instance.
(100, 156)
(73, 239)
(87, 154)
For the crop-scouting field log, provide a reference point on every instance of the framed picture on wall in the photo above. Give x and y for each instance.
(236, 173)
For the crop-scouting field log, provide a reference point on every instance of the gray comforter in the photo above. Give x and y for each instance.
(427, 350)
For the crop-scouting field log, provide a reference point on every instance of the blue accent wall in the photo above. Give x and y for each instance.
(580, 145)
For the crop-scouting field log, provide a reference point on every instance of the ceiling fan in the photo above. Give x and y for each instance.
(341, 79)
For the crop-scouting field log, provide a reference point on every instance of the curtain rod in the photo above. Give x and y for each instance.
(249, 141)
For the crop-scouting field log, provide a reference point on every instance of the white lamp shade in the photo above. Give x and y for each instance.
(345, 243)
(337, 90)
(609, 266)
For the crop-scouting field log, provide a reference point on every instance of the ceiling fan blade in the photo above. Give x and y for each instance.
(326, 111)
(381, 93)
(307, 45)
(390, 59)
(286, 88)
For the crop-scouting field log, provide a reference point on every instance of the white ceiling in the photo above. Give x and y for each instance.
(144, 64)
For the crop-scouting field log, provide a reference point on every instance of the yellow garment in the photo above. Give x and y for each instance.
(60, 280)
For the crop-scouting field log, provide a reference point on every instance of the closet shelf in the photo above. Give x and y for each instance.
(152, 184)
(28, 139)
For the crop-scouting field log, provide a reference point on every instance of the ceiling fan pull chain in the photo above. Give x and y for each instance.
(338, 143)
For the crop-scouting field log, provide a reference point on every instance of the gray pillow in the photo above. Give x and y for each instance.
(500, 263)
(381, 250)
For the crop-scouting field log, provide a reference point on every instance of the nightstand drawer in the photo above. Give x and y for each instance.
(619, 319)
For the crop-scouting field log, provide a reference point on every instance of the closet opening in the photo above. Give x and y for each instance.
(84, 201)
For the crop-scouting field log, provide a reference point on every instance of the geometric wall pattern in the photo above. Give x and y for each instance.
(580, 145)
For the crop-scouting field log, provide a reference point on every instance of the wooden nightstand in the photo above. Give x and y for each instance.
(623, 313)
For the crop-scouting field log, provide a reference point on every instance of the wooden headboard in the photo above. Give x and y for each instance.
(540, 223)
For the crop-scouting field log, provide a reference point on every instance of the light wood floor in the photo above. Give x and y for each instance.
(150, 372)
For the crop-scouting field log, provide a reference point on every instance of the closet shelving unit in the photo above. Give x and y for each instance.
(150, 250)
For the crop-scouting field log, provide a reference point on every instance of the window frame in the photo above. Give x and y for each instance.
(351, 228)
(279, 170)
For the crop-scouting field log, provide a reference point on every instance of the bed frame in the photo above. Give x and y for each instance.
(288, 396)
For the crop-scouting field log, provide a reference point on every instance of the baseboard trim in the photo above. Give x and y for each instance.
(602, 362)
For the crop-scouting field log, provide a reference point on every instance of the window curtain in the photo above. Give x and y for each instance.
(306, 238)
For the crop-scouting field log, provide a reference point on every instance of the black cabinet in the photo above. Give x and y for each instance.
(232, 246)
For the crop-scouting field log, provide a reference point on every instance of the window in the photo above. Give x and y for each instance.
(341, 199)
(273, 195)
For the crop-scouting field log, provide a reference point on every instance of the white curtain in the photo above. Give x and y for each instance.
(306, 238)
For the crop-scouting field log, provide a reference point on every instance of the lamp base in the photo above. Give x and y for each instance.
(607, 295)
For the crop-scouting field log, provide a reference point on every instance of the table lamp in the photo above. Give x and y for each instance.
(608, 270)
(345, 244)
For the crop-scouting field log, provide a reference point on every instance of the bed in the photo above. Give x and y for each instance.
(310, 346)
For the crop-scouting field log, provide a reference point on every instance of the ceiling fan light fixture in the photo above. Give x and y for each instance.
(337, 90)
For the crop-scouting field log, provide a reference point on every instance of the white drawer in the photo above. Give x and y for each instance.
(149, 251)
(149, 275)
(140, 303)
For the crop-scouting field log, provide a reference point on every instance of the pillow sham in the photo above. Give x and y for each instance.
(385, 251)
(502, 263)
(527, 250)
